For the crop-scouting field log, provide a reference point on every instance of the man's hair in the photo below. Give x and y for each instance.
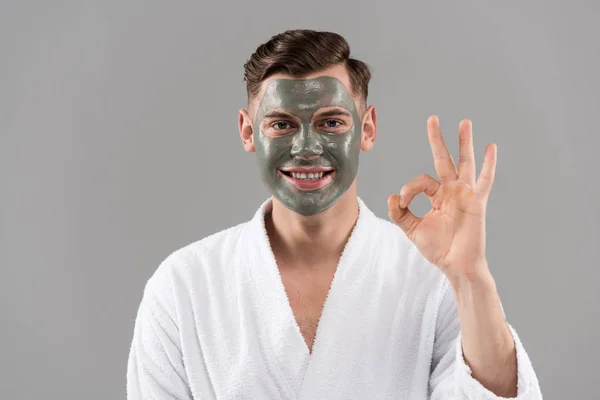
(300, 52)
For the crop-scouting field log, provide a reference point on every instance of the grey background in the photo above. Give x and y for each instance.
(119, 144)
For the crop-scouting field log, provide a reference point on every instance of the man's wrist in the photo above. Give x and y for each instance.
(479, 281)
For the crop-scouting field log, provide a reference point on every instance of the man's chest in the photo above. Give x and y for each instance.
(306, 295)
(257, 329)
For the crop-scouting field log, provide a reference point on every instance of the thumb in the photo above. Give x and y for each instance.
(402, 216)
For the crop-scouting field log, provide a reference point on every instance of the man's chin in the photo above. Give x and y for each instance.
(305, 203)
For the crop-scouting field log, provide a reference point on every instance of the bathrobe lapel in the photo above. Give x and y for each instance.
(300, 375)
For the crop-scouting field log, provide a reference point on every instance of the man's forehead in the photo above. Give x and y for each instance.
(318, 84)
(305, 94)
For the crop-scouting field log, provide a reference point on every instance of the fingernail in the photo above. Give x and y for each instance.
(402, 200)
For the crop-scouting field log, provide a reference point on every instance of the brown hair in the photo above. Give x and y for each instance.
(300, 52)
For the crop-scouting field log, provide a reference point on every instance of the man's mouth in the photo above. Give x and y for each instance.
(307, 175)
(308, 178)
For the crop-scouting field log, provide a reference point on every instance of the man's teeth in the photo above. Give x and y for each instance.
(309, 176)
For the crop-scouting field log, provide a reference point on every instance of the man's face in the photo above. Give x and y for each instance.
(307, 134)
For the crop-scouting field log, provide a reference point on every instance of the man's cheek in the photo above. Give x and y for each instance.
(273, 158)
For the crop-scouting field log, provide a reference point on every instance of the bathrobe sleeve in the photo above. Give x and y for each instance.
(155, 367)
(451, 377)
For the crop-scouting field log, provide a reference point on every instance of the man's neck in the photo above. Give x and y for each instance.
(312, 241)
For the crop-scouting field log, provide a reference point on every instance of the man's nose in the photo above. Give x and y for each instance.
(306, 144)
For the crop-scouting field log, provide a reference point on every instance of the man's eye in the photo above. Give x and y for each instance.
(282, 125)
(332, 123)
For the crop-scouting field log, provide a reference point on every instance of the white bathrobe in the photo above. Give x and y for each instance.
(215, 323)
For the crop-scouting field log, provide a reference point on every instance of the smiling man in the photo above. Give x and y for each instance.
(315, 297)
(309, 141)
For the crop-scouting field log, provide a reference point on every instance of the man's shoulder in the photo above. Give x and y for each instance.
(208, 252)
(214, 242)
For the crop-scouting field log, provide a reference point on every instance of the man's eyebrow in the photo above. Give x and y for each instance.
(324, 114)
(333, 113)
(278, 114)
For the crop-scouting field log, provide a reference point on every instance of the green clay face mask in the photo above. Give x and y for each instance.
(307, 136)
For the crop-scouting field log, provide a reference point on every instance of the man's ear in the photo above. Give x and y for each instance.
(246, 130)
(369, 129)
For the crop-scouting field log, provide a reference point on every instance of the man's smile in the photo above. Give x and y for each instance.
(308, 178)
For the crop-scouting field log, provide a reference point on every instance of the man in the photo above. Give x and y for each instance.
(315, 297)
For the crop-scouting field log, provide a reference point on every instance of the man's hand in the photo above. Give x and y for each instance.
(452, 234)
